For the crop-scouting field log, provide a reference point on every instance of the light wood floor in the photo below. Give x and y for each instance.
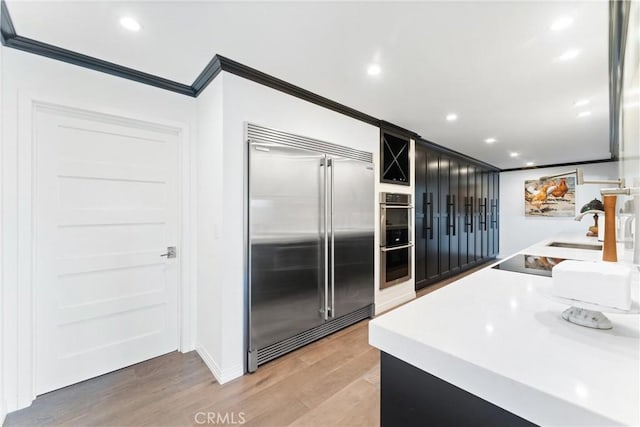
(332, 382)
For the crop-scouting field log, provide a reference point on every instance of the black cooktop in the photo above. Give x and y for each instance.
(529, 264)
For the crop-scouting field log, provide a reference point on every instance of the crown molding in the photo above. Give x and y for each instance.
(449, 151)
(7, 30)
(241, 70)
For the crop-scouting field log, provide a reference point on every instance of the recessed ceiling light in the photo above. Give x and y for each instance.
(514, 154)
(561, 23)
(374, 70)
(584, 114)
(490, 140)
(530, 163)
(452, 117)
(130, 24)
(581, 103)
(568, 55)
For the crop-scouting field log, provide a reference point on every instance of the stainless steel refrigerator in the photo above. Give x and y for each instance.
(311, 241)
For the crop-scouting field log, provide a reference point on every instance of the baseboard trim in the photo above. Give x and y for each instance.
(220, 376)
(211, 364)
(400, 299)
(232, 373)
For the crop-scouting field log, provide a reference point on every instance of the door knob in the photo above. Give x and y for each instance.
(171, 252)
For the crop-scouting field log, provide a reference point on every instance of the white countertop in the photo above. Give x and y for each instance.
(495, 335)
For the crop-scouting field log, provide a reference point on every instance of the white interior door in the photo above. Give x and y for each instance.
(106, 209)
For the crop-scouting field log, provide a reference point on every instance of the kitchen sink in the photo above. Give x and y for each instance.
(576, 245)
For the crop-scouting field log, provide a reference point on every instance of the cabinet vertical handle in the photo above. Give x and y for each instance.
(430, 216)
(481, 223)
(494, 219)
(471, 222)
(491, 214)
(453, 213)
(466, 214)
(425, 204)
(484, 206)
(448, 214)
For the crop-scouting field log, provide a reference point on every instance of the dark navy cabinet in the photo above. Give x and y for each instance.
(456, 213)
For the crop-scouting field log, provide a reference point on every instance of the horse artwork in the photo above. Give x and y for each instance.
(550, 198)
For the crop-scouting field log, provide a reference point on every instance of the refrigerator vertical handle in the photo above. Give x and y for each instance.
(333, 246)
(326, 240)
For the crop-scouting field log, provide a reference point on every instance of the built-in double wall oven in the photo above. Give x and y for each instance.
(395, 238)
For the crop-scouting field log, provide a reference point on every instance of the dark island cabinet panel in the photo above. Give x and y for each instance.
(457, 214)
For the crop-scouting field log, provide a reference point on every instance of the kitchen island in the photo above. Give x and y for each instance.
(493, 349)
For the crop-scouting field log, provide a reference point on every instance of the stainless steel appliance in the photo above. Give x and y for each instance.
(395, 238)
(311, 241)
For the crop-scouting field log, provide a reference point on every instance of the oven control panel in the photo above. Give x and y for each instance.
(395, 198)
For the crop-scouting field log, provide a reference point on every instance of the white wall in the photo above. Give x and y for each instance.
(3, 408)
(630, 133)
(29, 76)
(517, 231)
(211, 259)
(223, 226)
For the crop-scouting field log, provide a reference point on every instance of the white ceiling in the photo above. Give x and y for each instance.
(492, 63)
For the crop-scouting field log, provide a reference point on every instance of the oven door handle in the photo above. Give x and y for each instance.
(395, 248)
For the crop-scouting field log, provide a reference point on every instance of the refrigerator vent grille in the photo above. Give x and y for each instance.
(257, 133)
(285, 346)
